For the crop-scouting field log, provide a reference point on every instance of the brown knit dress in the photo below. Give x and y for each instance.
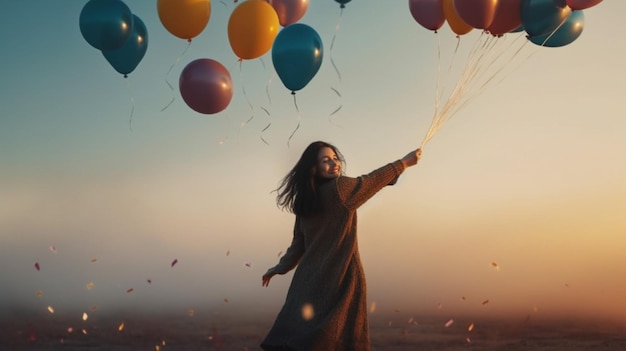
(326, 305)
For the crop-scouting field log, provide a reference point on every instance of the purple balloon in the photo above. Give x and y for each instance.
(289, 11)
(428, 13)
(206, 86)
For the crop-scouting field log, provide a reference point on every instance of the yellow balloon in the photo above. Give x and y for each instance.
(252, 27)
(454, 21)
(184, 18)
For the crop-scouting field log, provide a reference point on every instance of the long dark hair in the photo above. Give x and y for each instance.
(297, 192)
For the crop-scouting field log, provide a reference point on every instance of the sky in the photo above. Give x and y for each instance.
(108, 185)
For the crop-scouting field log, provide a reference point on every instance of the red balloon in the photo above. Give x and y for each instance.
(206, 86)
(582, 4)
(428, 13)
(289, 11)
(476, 13)
(507, 17)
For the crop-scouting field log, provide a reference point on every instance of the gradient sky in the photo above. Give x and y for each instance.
(530, 175)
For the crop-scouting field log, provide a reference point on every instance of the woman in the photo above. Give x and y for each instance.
(326, 305)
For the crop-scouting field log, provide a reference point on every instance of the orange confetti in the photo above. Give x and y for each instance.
(485, 302)
(39, 293)
(191, 312)
(225, 300)
(93, 260)
(495, 266)
(227, 252)
(89, 286)
(130, 290)
(174, 262)
(37, 266)
(120, 327)
(50, 309)
(449, 323)
(93, 308)
(373, 307)
(470, 327)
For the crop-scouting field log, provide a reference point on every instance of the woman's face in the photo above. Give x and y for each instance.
(328, 163)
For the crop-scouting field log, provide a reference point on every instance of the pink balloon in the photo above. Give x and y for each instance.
(206, 86)
(507, 17)
(428, 13)
(289, 11)
(476, 13)
(582, 4)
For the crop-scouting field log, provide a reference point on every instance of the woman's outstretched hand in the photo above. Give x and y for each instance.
(412, 158)
(267, 276)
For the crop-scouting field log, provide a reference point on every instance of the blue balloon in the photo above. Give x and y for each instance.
(542, 16)
(297, 55)
(343, 3)
(565, 34)
(126, 58)
(106, 24)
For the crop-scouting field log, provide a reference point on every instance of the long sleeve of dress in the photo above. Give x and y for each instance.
(356, 191)
(295, 251)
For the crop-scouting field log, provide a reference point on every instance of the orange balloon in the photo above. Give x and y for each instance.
(252, 27)
(454, 21)
(184, 18)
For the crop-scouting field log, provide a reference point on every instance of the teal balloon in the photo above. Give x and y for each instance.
(297, 55)
(342, 3)
(105, 24)
(126, 58)
(540, 17)
(565, 34)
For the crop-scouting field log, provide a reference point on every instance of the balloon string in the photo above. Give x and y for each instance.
(267, 126)
(245, 94)
(332, 61)
(170, 70)
(299, 118)
(269, 100)
(132, 105)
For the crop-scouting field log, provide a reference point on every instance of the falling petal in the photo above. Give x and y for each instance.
(120, 327)
(228, 253)
(174, 262)
(157, 348)
(247, 264)
(471, 327)
(50, 309)
(463, 298)
(89, 286)
(53, 249)
(279, 253)
(128, 291)
(37, 266)
(149, 281)
(93, 308)
(93, 260)
(439, 306)
(70, 329)
(410, 321)
(39, 293)
(396, 310)
(225, 300)
(191, 312)
(485, 302)
(468, 340)
(85, 316)
(84, 331)
(449, 323)
(495, 266)
(373, 307)
(308, 312)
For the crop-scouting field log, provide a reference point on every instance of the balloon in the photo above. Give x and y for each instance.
(454, 21)
(582, 4)
(289, 11)
(343, 3)
(297, 55)
(507, 17)
(428, 13)
(476, 13)
(105, 24)
(206, 86)
(252, 27)
(184, 18)
(565, 34)
(542, 16)
(126, 58)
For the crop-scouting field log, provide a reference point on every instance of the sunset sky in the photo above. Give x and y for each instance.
(519, 199)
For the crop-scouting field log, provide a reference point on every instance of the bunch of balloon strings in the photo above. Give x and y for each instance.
(489, 61)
